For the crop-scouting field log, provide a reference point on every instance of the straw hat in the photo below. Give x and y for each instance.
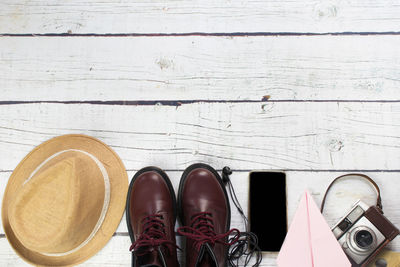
(64, 201)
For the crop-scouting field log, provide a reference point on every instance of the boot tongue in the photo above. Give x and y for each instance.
(206, 257)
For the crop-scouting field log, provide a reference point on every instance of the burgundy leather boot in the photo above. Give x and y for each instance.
(151, 215)
(204, 211)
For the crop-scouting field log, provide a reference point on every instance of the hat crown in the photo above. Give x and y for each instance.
(60, 203)
(74, 189)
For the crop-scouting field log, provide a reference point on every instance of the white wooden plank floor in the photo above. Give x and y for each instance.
(211, 16)
(308, 87)
(200, 68)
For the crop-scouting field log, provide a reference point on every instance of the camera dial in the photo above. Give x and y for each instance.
(361, 240)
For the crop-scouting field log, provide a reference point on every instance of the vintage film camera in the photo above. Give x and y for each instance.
(363, 232)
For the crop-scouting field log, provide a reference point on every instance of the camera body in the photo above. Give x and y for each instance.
(363, 232)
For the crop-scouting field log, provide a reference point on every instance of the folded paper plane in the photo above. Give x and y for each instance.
(309, 241)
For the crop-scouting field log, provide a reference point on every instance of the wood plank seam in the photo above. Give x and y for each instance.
(185, 102)
(218, 34)
(285, 170)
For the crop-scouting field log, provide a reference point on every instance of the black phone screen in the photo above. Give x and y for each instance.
(267, 206)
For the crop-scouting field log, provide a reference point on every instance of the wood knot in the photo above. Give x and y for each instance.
(325, 10)
(335, 145)
(164, 63)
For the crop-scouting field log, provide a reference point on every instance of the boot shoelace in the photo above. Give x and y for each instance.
(153, 236)
(202, 231)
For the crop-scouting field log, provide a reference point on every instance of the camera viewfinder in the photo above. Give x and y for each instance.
(344, 225)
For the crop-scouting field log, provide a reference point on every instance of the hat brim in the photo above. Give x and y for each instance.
(118, 191)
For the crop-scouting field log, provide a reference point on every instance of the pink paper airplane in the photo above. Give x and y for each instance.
(310, 242)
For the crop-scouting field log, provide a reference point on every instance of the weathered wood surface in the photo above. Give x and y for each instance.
(150, 16)
(342, 196)
(284, 135)
(331, 105)
(115, 253)
(200, 68)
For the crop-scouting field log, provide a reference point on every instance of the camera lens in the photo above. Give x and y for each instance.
(364, 238)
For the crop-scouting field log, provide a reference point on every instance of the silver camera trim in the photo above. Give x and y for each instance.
(358, 221)
(359, 206)
(352, 242)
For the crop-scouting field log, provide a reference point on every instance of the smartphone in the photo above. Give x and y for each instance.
(267, 208)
